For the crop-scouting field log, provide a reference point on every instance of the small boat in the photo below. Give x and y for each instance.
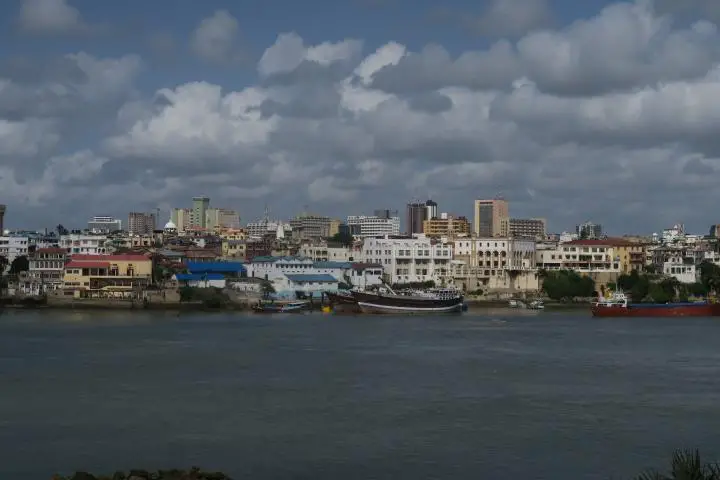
(516, 304)
(618, 306)
(536, 305)
(291, 307)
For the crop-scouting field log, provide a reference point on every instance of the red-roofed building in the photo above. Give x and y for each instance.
(107, 275)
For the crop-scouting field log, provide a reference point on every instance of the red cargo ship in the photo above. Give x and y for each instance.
(618, 306)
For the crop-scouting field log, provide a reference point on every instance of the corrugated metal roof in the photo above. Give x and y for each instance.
(215, 267)
(342, 265)
(199, 277)
(320, 277)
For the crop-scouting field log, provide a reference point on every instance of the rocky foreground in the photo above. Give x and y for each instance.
(192, 474)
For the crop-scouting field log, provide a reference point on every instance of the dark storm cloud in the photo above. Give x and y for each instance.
(431, 102)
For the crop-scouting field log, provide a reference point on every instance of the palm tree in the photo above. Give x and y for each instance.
(685, 465)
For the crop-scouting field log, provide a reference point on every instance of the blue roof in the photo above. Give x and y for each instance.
(341, 265)
(199, 277)
(215, 267)
(302, 278)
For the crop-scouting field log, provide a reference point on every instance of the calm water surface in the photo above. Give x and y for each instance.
(485, 395)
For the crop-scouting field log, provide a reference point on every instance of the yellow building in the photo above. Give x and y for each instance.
(631, 254)
(106, 275)
(448, 226)
(233, 243)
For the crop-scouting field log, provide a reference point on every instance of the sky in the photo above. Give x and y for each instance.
(572, 111)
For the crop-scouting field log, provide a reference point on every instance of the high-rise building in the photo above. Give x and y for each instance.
(417, 213)
(589, 230)
(491, 218)
(432, 210)
(3, 208)
(221, 218)
(373, 226)
(527, 228)
(140, 223)
(104, 225)
(181, 218)
(306, 227)
(200, 207)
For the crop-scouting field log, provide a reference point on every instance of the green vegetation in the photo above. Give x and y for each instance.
(209, 297)
(685, 465)
(20, 264)
(566, 284)
(192, 474)
(648, 287)
(342, 238)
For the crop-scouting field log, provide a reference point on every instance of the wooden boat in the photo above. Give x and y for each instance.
(290, 307)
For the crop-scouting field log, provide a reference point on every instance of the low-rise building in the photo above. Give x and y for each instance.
(598, 259)
(47, 267)
(373, 226)
(682, 269)
(85, 244)
(107, 275)
(13, 246)
(409, 259)
(494, 264)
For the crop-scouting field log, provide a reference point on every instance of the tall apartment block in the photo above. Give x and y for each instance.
(221, 218)
(491, 218)
(181, 218)
(3, 208)
(140, 223)
(200, 206)
(589, 230)
(101, 225)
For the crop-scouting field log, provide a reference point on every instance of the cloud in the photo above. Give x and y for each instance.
(611, 118)
(52, 17)
(216, 39)
(510, 18)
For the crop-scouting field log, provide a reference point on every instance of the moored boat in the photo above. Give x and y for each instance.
(340, 298)
(428, 302)
(618, 305)
(290, 307)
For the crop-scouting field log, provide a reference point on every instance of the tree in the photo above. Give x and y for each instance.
(710, 276)
(342, 238)
(19, 264)
(685, 465)
(564, 284)
(61, 230)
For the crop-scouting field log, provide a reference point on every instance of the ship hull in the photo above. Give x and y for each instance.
(381, 304)
(658, 310)
(336, 299)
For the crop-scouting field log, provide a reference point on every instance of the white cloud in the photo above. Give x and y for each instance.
(611, 118)
(216, 38)
(513, 17)
(51, 17)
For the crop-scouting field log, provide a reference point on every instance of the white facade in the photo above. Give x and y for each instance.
(323, 253)
(409, 260)
(677, 232)
(76, 243)
(681, 271)
(262, 228)
(494, 264)
(13, 246)
(371, 226)
(104, 224)
(222, 218)
(270, 268)
(582, 256)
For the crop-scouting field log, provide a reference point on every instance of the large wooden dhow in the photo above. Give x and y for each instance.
(386, 301)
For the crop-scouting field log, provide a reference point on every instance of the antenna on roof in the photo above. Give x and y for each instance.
(266, 218)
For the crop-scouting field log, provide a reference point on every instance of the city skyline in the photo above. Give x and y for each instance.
(343, 110)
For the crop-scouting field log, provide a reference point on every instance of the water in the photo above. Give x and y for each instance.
(487, 396)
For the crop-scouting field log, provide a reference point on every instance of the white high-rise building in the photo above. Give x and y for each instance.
(409, 260)
(372, 226)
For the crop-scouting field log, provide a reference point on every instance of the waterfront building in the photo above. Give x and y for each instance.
(494, 264)
(373, 226)
(308, 284)
(3, 209)
(682, 269)
(140, 223)
(598, 259)
(100, 225)
(491, 218)
(47, 266)
(210, 274)
(408, 260)
(121, 276)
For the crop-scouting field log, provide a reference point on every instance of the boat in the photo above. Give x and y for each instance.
(618, 305)
(290, 307)
(341, 297)
(385, 300)
(536, 305)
